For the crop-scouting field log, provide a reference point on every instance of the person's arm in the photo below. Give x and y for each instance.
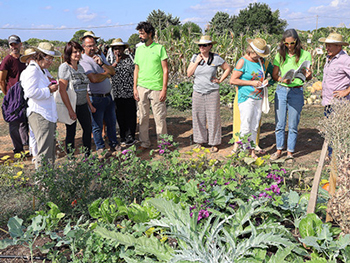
(106, 67)
(64, 95)
(235, 77)
(277, 77)
(193, 65)
(98, 77)
(92, 108)
(227, 70)
(3, 75)
(162, 95)
(136, 76)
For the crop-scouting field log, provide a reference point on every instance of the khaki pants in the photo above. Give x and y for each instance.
(148, 97)
(44, 133)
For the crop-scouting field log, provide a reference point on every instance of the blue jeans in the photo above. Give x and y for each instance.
(289, 100)
(105, 111)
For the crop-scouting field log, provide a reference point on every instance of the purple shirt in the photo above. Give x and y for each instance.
(336, 76)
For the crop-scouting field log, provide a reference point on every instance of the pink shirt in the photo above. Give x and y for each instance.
(336, 76)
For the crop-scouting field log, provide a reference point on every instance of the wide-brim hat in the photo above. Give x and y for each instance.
(260, 46)
(119, 42)
(89, 34)
(205, 40)
(48, 49)
(27, 53)
(334, 38)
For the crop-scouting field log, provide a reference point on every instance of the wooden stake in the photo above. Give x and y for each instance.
(314, 191)
(332, 183)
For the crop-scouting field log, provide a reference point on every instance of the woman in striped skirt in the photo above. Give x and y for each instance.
(206, 96)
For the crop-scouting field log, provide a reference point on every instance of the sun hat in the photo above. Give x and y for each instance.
(334, 38)
(119, 42)
(48, 49)
(27, 53)
(205, 40)
(14, 39)
(89, 34)
(260, 46)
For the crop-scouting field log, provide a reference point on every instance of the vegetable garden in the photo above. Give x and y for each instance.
(180, 206)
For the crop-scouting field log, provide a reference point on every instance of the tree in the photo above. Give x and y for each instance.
(133, 40)
(221, 23)
(190, 28)
(77, 35)
(161, 21)
(258, 16)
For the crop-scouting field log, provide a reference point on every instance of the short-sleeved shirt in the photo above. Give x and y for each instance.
(90, 66)
(250, 71)
(336, 76)
(14, 69)
(290, 63)
(204, 74)
(149, 59)
(123, 80)
(79, 80)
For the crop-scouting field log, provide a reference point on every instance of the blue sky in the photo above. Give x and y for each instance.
(60, 19)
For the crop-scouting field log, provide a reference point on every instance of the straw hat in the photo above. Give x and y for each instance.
(334, 38)
(48, 49)
(27, 53)
(89, 34)
(260, 46)
(119, 42)
(205, 40)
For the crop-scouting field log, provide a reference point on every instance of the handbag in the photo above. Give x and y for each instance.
(62, 111)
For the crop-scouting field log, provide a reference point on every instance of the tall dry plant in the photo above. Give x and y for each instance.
(336, 130)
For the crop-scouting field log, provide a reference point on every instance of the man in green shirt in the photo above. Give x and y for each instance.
(150, 83)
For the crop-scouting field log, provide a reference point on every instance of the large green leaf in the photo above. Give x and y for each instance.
(310, 225)
(15, 227)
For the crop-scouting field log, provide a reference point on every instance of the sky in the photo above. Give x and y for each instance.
(60, 19)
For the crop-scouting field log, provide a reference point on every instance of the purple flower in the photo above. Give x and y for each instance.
(161, 151)
(275, 189)
(254, 196)
(192, 207)
(191, 214)
(162, 191)
(202, 214)
(126, 151)
(227, 183)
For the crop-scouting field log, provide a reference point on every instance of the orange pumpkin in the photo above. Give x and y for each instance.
(326, 187)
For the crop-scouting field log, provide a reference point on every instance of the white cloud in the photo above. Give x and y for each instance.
(109, 21)
(48, 7)
(333, 6)
(84, 14)
(66, 10)
(43, 26)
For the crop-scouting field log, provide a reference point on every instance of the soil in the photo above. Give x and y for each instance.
(308, 148)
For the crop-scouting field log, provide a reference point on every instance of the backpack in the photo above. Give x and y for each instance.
(14, 105)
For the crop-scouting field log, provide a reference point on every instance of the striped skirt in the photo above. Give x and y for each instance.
(206, 113)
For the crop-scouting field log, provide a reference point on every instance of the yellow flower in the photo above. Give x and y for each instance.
(16, 176)
(259, 161)
(163, 239)
(189, 153)
(27, 179)
(176, 86)
(17, 155)
(4, 158)
(196, 150)
(18, 165)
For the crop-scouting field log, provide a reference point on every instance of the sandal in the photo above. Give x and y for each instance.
(289, 159)
(260, 151)
(275, 156)
(214, 149)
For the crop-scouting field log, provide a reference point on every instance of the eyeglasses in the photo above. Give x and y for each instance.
(49, 59)
(203, 45)
(290, 43)
(90, 46)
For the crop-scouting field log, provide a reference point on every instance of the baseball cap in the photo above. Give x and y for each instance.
(14, 39)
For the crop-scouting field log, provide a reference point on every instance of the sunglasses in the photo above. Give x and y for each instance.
(290, 43)
(203, 45)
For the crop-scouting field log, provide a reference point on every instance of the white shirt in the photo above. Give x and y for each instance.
(35, 84)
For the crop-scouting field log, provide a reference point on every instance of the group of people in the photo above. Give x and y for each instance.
(108, 89)
(250, 78)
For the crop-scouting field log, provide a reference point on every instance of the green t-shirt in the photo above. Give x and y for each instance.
(149, 59)
(289, 64)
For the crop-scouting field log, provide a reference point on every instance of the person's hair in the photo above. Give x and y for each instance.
(147, 27)
(283, 49)
(39, 55)
(249, 49)
(83, 41)
(68, 50)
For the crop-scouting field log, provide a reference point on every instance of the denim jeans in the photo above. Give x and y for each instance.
(291, 101)
(105, 111)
